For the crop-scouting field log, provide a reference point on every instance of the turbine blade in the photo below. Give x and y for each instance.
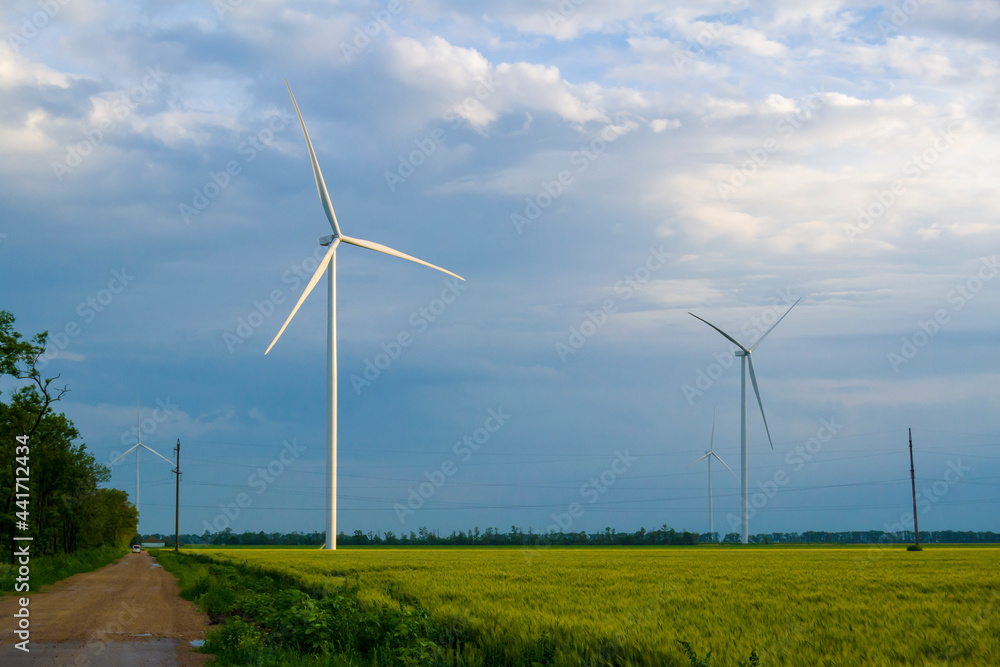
(127, 452)
(728, 337)
(753, 379)
(378, 247)
(157, 453)
(324, 263)
(700, 459)
(775, 324)
(324, 196)
(719, 459)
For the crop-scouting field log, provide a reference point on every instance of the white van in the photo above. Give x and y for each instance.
(136, 548)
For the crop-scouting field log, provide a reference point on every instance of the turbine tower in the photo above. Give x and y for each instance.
(135, 448)
(744, 352)
(330, 260)
(708, 455)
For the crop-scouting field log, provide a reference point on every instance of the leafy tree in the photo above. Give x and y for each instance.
(66, 509)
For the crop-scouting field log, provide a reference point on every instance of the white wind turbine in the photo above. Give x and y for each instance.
(330, 260)
(135, 448)
(708, 455)
(744, 352)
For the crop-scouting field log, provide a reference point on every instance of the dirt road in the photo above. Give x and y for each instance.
(128, 613)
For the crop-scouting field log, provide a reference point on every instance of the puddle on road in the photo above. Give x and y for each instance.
(155, 565)
(197, 643)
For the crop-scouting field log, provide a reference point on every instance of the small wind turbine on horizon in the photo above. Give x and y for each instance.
(745, 352)
(330, 261)
(708, 455)
(135, 448)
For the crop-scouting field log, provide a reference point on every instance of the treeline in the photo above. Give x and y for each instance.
(872, 537)
(424, 536)
(58, 502)
(516, 537)
(228, 537)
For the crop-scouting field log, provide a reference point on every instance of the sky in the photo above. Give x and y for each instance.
(596, 171)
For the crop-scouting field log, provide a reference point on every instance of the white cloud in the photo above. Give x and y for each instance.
(29, 138)
(483, 92)
(17, 70)
(658, 125)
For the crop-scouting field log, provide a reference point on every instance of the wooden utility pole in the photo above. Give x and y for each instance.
(913, 486)
(177, 499)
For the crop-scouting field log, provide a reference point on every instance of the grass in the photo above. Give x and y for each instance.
(672, 606)
(47, 570)
(266, 619)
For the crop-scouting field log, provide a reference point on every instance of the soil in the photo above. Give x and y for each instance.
(127, 613)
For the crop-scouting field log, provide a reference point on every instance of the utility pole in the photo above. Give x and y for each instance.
(913, 486)
(177, 499)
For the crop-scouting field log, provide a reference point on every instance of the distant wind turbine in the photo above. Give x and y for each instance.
(330, 260)
(744, 352)
(708, 455)
(135, 448)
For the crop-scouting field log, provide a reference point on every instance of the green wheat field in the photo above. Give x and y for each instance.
(862, 605)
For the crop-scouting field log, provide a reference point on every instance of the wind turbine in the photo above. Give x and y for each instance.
(745, 352)
(330, 260)
(708, 455)
(135, 448)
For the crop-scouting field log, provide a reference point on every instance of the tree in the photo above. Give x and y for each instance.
(66, 509)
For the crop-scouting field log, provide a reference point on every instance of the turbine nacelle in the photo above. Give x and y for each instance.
(327, 240)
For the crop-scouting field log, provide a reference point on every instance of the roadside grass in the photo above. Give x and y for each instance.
(269, 618)
(47, 570)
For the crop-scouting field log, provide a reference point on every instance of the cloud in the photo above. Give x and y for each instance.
(483, 92)
(660, 124)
